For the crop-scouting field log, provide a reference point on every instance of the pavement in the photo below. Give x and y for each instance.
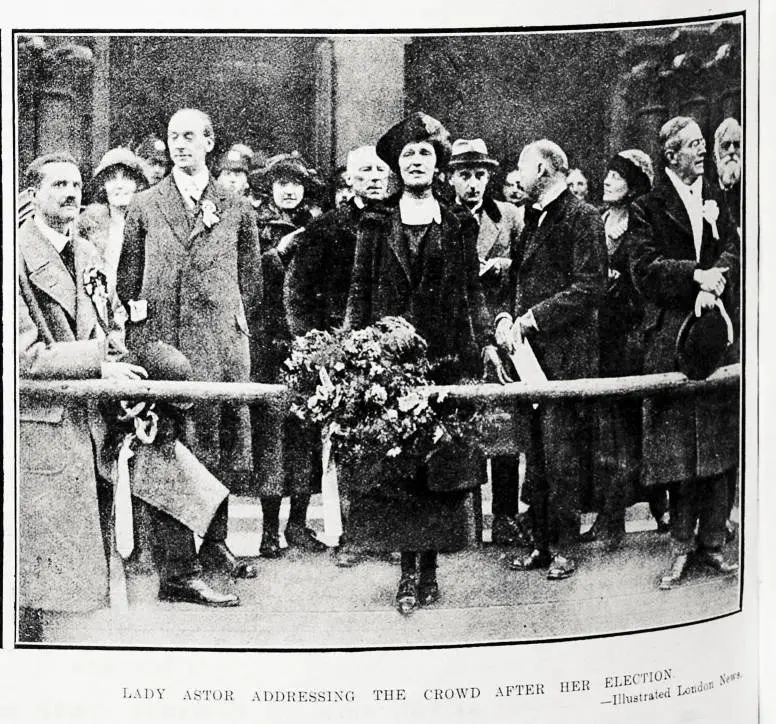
(304, 601)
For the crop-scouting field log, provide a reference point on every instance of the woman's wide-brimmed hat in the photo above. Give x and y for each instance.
(124, 158)
(635, 167)
(284, 166)
(415, 128)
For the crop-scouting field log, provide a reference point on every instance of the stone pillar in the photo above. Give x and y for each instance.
(369, 89)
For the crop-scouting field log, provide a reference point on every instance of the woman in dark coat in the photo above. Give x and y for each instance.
(617, 461)
(411, 262)
(286, 458)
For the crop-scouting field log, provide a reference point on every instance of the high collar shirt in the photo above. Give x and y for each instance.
(419, 212)
(58, 240)
(191, 186)
(692, 199)
(548, 196)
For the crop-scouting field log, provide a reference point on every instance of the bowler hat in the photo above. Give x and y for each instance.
(701, 342)
(415, 128)
(472, 152)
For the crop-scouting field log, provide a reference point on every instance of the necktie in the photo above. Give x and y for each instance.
(68, 258)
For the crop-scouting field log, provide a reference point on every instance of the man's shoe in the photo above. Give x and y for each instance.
(674, 574)
(560, 568)
(298, 536)
(534, 561)
(507, 531)
(270, 546)
(195, 590)
(407, 595)
(716, 561)
(216, 556)
(428, 591)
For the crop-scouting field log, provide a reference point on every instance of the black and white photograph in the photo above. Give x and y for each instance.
(378, 340)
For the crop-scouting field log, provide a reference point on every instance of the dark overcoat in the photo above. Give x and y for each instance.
(683, 438)
(437, 305)
(203, 288)
(62, 562)
(318, 278)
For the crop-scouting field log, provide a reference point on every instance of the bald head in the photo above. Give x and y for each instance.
(541, 164)
(190, 138)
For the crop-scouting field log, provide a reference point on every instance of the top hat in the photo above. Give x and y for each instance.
(126, 159)
(472, 152)
(415, 128)
(702, 342)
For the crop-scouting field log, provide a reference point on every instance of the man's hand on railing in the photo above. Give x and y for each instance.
(122, 371)
(493, 367)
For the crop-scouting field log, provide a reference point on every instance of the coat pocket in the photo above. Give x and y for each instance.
(43, 445)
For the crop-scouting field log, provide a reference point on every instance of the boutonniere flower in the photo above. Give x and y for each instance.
(95, 283)
(711, 214)
(209, 216)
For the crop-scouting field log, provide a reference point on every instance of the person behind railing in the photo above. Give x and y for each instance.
(69, 325)
(190, 275)
(616, 464)
(318, 279)
(685, 261)
(411, 261)
(556, 285)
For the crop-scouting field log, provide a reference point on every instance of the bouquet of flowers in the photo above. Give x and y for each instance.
(361, 387)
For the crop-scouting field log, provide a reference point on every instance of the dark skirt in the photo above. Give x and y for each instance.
(402, 514)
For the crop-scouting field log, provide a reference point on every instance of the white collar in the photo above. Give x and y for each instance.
(359, 202)
(191, 184)
(684, 190)
(550, 194)
(475, 210)
(58, 239)
(419, 212)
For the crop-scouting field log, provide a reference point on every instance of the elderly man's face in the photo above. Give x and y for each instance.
(687, 161)
(187, 141)
(370, 179)
(578, 185)
(58, 200)
(469, 183)
(729, 157)
(512, 191)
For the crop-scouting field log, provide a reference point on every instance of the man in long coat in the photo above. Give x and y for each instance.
(557, 283)
(190, 275)
(64, 332)
(685, 258)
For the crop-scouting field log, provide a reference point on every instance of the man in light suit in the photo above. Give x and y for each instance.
(63, 333)
(499, 225)
(685, 259)
(190, 275)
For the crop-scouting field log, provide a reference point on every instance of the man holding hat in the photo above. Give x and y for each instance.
(685, 263)
(499, 225)
(190, 276)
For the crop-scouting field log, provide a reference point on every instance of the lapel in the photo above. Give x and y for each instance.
(87, 308)
(170, 203)
(212, 194)
(674, 206)
(487, 236)
(396, 241)
(46, 270)
(554, 211)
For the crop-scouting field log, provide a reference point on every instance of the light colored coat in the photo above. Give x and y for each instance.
(62, 564)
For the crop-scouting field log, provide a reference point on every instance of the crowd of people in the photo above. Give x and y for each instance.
(185, 269)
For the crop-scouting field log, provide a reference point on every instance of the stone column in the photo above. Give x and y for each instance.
(368, 90)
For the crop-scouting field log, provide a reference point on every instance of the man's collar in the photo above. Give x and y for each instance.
(474, 209)
(418, 212)
(681, 187)
(194, 182)
(58, 239)
(550, 194)
(359, 202)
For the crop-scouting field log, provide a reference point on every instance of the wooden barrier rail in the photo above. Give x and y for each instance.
(673, 383)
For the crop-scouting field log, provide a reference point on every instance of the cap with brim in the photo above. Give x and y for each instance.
(152, 149)
(123, 158)
(701, 343)
(233, 160)
(416, 128)
(472, 152)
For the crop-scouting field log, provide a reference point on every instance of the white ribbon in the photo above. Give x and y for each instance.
(332, 513)
(122, 501)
